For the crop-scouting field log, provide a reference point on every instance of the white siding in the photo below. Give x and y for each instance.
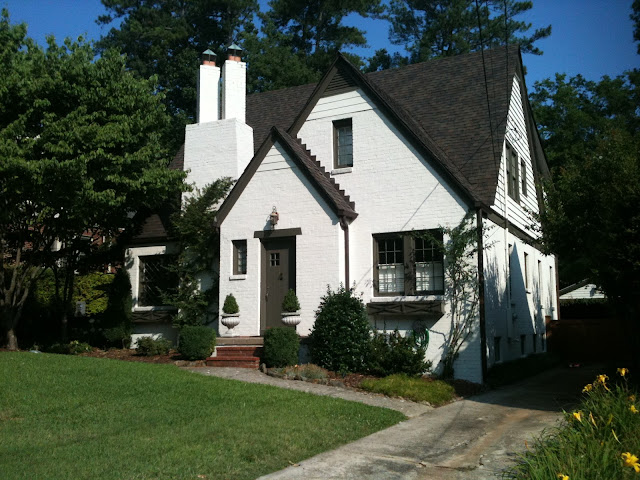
(394, 190)
(518, 213)
(520, 310)
(585, 292)
(279, 182)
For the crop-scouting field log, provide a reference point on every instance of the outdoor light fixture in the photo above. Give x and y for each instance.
(273, 218)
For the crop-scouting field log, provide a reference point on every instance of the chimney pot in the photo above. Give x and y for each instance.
(234, 53)
(209, 58)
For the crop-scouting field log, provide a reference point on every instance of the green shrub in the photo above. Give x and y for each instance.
(230, 305)
(435, 392)
(149, 346)
(281, 345)
(340, 339)
(196, 342)
(392, 353)
(290, 302)
(72, 348)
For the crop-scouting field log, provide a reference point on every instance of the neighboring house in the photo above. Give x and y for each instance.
(582, 291)
(354, 166)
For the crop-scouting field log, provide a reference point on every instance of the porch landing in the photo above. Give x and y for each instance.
(238, 352)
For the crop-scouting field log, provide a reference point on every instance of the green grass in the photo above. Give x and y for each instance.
(590, 442)
(436, 392)
(65, 417)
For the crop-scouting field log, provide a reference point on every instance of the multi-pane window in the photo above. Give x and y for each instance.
(513, 185)
(155, 279)
(391, 265)
(429, 267)
(343, 143)
(239, 257)
(408, 264)
(523, 177)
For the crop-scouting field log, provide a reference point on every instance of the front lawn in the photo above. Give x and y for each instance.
(67, 417)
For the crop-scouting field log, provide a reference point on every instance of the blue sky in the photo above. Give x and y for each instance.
(591, 37)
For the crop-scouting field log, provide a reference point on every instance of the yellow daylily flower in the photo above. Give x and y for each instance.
(633, 409)
(592, 419)
(623, 371)
(602, 379)
(577, 416)
(587, 388)
(631, 461)
(632, 398)
(562, 476)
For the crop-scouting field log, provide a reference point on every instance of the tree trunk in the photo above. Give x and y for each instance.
(12, 340)
(64, 327)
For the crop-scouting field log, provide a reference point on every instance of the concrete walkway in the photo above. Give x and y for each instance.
(471, 439)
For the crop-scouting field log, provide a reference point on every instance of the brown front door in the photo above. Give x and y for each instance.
(278, 276)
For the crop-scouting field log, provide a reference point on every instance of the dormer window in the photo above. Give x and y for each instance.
(513, 177)
(342, 143)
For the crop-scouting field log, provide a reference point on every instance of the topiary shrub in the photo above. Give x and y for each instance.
(290, 302)
(340, 339)
(149, 346)
(72, 348)
(281, 345)
(196, 342)
(392, 353)
(230, 305)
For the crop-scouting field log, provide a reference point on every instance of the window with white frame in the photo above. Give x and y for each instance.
(408, 263)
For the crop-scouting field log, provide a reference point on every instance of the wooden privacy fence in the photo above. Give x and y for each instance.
(589, 339)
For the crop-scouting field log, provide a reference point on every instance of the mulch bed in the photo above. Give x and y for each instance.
(130, 355)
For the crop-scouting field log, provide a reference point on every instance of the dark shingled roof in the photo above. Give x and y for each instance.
(447, 97)
(442, 103)
(277, 108)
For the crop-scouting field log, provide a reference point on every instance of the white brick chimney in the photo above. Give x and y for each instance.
(208, 88)
(234, 85)
(221, 143)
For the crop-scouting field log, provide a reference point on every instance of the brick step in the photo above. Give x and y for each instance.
(243, 352)
(237, 362)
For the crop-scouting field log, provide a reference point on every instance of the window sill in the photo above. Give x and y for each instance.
(238, 277)
(407, 298)
(159, 308)
(341, 170)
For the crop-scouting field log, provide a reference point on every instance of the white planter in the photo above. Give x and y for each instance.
(291, 319)
(230, 320)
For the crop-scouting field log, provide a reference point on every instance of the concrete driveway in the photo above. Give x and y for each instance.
(471, 439)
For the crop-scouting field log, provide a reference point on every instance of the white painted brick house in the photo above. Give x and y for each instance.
(353, 166)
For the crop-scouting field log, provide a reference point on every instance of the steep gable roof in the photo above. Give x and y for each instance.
(336, 198)
(443, 104)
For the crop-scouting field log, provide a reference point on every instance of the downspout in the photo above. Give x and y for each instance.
(344, 224)
(481, 312)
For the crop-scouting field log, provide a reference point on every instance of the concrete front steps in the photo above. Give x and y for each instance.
(237, 352)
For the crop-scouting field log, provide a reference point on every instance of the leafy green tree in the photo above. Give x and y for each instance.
(443, 28)
(166, 38)
(299, 40)
(592, 219)
(79, 151)
(199, 247)
(572, 114)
